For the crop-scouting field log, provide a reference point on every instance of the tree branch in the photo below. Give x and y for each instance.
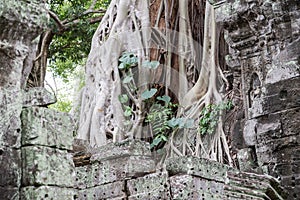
(57, 20)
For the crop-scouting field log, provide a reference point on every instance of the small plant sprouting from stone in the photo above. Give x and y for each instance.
(209, 117)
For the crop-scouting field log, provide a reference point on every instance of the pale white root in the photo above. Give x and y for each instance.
(126, 27)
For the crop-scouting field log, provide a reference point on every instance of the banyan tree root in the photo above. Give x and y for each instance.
(148, 29)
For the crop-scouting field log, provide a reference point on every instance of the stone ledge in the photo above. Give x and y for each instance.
(121, 149)
(38, 96)
(203, 168)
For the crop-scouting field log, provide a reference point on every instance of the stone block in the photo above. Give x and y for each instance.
(38, 96)
(283, 95)
(121, 149)
(267, 149)
(249, 132)
(86, 176)
(11, 193)
(47, 192)
(192, 187)
(10, 165)
(152, 187)
(47, 166)
(109, 171)
(198, 167)
(247, 160)
(110, 191)
(46, 127)
(253, 185)
(10, 123)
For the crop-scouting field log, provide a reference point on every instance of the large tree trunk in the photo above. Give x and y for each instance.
(162, 31)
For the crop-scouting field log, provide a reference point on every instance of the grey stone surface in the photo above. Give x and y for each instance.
(249, 132)
(10, 123)
(113, 170)
(10, 165)
(11, 193)
(198, 167)
(264, 40)
(48, 192)
(107, 191)
(247, 160)
(121, 149)
(191, 187)
(21, 22)
(37, 96)
(153, 186)
(42, 126)
(246, 185)
(47, 166)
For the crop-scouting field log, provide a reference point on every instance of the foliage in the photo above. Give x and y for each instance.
(158, 118)
(62, 104)
(161, 115)
(71, 45)
(209, 117)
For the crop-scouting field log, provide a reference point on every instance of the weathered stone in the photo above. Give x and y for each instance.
(107, 191)
(10, 193)
(249, 132)
(247, 160)
(47, 166)
(47, 192)
(10, 123)
(10, 165)
(153, 186)
(198, 167)
(192, 187)
(22, 21)
(42, 126)
(287, 97)
(38, 97)
(264, 41)
(253, 185)
(121, 149)
(113, 170)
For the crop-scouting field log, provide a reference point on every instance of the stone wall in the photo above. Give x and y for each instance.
(21, 22)
(264, 39)
(52, 166)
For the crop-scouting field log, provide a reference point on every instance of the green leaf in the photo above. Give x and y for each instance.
(123, 98)
(156, 141)
(127, 79)
(164, 138)
(128, 111)
(148, 93)
(164, 98)
(172, 122)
